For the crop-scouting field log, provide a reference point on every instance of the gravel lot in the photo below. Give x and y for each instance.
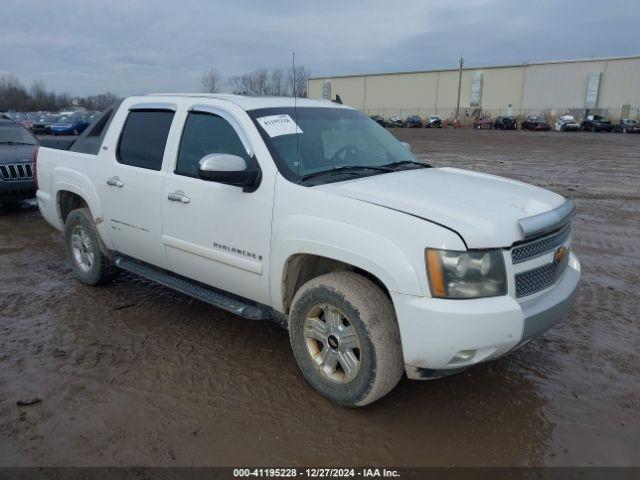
(135, 374)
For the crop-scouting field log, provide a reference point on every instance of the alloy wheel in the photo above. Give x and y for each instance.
(332, 343)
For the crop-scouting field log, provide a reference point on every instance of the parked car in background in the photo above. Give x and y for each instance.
(483, 122)
(597, 123)
(378, 119)
(535, 122)
(413, 121)
(434, 121)
(26, 122)
(70, 125)
(505, 123)
(627, 125)
(395, 122)
(567, 123)
(17, 148)
(42, 125)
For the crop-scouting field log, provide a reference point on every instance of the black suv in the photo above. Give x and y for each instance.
(17, 148)
(413, 121)
(505, 123)
(597, 123)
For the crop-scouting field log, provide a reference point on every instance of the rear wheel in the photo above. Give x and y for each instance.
(88, 256)
(345, 338)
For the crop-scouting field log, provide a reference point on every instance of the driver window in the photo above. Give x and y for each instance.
(203, 134)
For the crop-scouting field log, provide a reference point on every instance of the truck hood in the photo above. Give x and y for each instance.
(483, 209)
(16, 153)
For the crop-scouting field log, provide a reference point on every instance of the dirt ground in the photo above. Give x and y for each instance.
(136, 374)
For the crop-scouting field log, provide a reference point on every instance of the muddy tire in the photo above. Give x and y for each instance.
(345, 338)
(87, 253)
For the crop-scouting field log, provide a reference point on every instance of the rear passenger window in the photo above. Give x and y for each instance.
(144, 137)
(205, 133)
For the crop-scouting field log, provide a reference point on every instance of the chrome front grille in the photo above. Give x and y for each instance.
(539, 278)
(16, 171)
(539, 247)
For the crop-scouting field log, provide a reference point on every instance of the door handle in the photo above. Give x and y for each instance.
(115, 182)
(178, 196)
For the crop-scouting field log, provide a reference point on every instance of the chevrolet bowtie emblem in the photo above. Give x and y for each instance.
(560, 254)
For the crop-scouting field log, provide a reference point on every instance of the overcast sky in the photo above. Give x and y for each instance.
(137, 46)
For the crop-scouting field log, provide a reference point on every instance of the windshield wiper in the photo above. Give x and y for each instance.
(347, 169)
(400, 163)
(10, 142)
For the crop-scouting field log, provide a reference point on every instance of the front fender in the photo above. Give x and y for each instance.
(302, 234)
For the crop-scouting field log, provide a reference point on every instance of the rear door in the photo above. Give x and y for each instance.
(131, 191)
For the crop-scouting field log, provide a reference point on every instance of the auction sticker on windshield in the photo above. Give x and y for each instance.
(276, 125)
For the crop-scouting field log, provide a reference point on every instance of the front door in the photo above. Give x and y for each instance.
(215, 233)
(132, 188)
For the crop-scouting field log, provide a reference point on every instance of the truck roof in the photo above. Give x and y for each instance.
(248, 102)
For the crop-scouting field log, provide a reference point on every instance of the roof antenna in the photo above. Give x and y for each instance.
(295, 108)
(338, 99)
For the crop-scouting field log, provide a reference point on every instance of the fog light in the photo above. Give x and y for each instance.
(463, 356)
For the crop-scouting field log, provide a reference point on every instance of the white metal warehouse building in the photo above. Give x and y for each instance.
(605, 85)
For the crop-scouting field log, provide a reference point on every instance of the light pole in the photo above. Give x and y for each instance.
(459, 87)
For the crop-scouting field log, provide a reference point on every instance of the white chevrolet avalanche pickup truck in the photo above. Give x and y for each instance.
(310, 213)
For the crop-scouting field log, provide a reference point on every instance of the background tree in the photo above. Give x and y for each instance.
(210, 82)
(278, 84)
(99, 102)
(13, 95)
(297, 80)
(40, 98)
(271, 82)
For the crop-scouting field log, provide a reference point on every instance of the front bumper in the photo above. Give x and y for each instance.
(17, 189)
(441, 337)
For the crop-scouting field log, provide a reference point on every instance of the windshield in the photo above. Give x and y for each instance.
(327, 138)
(567, 118)
(15, 134)
(48, 118)
(65, 120)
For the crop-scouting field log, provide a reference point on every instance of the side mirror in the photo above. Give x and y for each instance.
(406, 145)
(230, 170)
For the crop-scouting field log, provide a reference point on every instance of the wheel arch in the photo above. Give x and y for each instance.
(302, 267)
(77, 191)
(68, 201)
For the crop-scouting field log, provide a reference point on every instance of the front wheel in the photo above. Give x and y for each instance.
(85, 249)
(345, 338)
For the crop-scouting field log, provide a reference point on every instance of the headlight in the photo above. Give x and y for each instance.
(466, 274)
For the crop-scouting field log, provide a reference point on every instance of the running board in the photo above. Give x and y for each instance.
(194, 289)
